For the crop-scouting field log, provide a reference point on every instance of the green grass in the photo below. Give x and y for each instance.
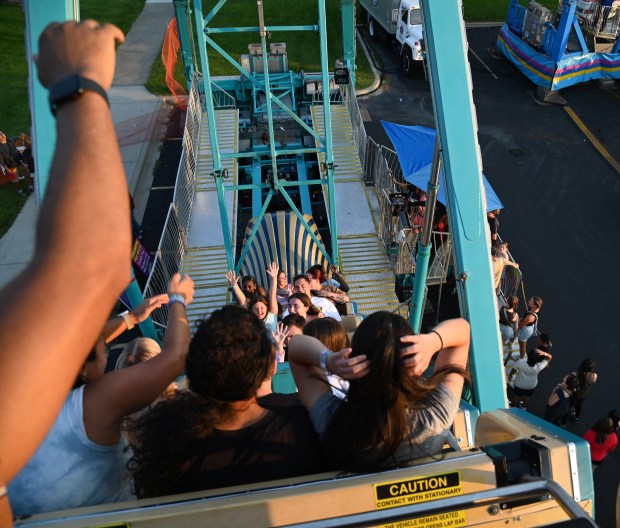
(495, 10)
(302, 46)
(15, 113)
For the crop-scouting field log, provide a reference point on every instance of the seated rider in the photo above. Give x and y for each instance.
(216, 434)
(391, 415)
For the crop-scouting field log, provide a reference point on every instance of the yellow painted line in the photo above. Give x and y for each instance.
(593, 139)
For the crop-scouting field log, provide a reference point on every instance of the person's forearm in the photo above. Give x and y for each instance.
(343, 285)
(454, 343)
(305, 350)
(81, 265)
(273, 301)
(239, 295)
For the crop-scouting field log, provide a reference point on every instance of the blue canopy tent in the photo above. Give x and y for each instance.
(414, 148)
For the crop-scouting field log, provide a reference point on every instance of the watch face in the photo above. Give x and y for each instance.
(72, 87)
(65, 90)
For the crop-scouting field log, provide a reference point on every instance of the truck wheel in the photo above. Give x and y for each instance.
(373, 30)
(406, 62)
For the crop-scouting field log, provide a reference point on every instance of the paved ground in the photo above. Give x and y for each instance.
(561, 214)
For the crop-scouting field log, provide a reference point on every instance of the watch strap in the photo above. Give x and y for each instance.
(176, 298)
(323, 361)
(70, 88)
(125, 317)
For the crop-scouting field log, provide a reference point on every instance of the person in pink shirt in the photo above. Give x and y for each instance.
(602, 439)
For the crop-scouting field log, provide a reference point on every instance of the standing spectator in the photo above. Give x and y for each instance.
(528, 325)
(524, 376)
(503, 250)
(587, 376)
(494, 226)
(558, 404)
(499, 264)
(602, 440)
(10, 160)
(509, 319)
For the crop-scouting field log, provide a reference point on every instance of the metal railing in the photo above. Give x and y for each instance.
(170, 251)
(221, 98)
(173, 241)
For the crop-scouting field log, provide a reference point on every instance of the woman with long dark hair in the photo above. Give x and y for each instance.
(602, 439)
(216, 434)
(391, 414)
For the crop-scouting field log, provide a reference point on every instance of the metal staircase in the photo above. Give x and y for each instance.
(362, 257)
(205, 258)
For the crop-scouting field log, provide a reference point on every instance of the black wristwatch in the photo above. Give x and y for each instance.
(71, 88)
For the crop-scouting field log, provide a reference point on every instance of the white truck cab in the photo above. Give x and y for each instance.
(403, 20)
(409, 33)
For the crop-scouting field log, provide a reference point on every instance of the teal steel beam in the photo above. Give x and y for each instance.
(256, 29)
(268, 94)
(215, 148)
(283, 183)
(229, 59)
(296, 118)
(451, 86)
(329, 154)
(134, 295)
(301, 218)
(425, 243)
(255, 227)
(241, 155)
(214, 11)
(40, 13)
(182, 11)
(347, 21)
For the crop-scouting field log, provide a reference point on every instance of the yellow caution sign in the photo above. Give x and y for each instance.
(422, 489)
(439, 520)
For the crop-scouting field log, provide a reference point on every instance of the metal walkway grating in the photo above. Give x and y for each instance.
(368, 273)
(205, 259)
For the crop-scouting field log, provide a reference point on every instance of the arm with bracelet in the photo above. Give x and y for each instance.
(44, 300)
(128, 319)
(449, 340)
(122, 392)
(311, 363)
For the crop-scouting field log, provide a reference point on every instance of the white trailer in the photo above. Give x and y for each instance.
(401, 19)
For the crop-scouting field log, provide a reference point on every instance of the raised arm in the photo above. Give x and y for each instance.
(272, 271)
(53, 312)
(450, 341)
(336, 273)
(115, 327)
(309, 359)
(233, 280)
(119, 393)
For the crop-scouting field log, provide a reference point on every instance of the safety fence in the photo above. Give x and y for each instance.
(173, 241)
(382, 170)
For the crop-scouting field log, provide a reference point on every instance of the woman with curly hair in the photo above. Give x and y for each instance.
(391, 414)
(216, 434)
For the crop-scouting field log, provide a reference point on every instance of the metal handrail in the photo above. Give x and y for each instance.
(542, 489)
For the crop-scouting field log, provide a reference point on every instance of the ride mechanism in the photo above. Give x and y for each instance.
(578, 43)
(502, 466)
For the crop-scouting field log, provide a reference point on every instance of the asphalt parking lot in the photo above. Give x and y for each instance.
(561, 215)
